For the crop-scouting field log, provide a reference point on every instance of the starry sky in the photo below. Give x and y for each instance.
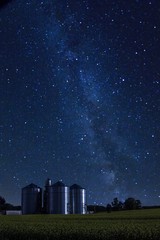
(80, 97)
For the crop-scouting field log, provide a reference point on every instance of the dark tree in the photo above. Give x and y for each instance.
(8, 206)
(138, 204)
(2, 201)
(96, 208)
(131, 203)
(120, 205)
(109, 208)
(116, 204)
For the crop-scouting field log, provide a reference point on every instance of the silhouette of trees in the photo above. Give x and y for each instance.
(2, 201)
(116, 204)
(138, 204)
(109, 208)
(7, 206)
(132, 203)
(129, 204)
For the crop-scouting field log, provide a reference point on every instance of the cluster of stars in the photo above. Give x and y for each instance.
(80, 97)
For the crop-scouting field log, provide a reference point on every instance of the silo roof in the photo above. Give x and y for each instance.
(59, 184)
(76, 186)
(32, 185)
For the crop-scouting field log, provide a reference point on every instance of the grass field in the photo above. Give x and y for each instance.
(141, 224)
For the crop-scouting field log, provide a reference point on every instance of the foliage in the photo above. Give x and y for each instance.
(109, 208)
(131, 203)
(138, 204)
(7, 206)
(116, 204)
(126, 225)
(2, 201)
(95, 208)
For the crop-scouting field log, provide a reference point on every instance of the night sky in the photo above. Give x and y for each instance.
(80, 97)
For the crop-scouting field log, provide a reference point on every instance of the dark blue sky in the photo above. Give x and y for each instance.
(80, 97)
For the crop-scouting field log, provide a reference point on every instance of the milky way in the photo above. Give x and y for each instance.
(80, 86)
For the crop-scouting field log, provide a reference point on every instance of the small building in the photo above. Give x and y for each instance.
(13, 212)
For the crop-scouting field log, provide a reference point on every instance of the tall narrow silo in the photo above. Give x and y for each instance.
(47, 198)
(77, 200)
(60, 201)
(31, 199)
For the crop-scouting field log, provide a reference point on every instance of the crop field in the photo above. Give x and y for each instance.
(131, 225)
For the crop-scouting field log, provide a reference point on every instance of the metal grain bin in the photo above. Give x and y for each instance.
(60, 198)
(48, 198)
(31, 199)
(77, 200)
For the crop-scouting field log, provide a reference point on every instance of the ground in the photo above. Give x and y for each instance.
(132, 225)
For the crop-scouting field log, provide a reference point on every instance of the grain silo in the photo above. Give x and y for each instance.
(77, 200)
(47, 197)
(60, 196)
(31, 199)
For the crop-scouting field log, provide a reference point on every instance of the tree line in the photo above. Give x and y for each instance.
(129, 204)
(116, 205)
(7, 206)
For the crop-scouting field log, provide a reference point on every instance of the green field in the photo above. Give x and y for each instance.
(135, 224)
